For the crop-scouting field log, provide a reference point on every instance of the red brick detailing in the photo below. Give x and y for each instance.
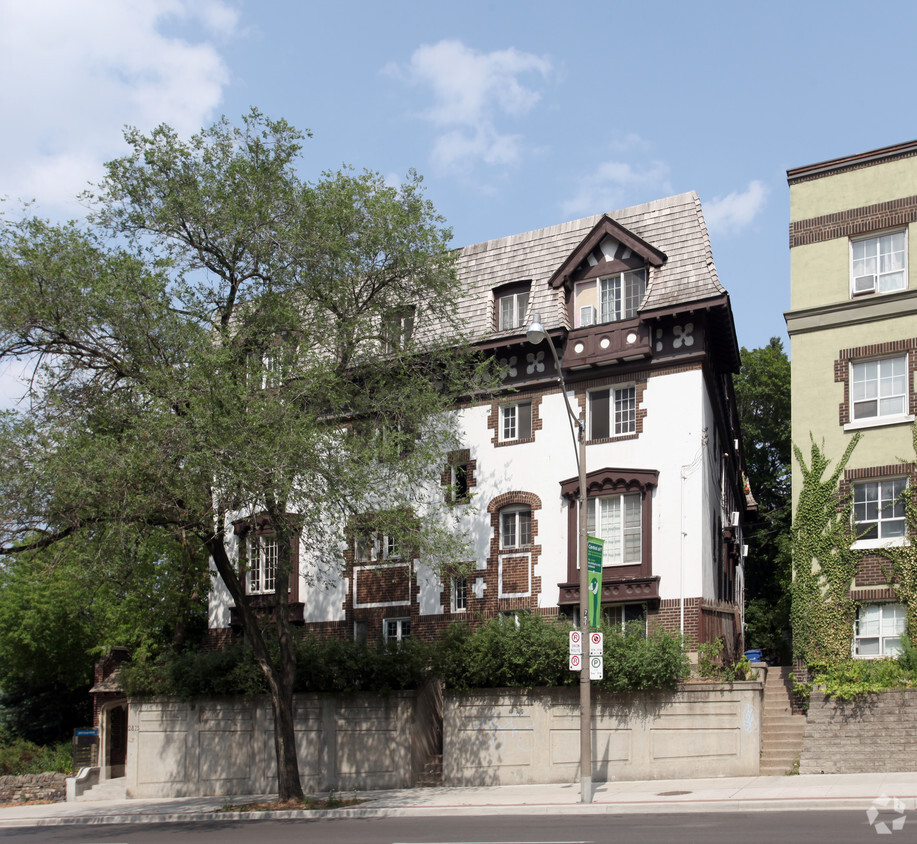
(885, 593)
(871, 571)
(877, 350)
(517, 573)
(388, 583)
(459, 457)
(873, 568)
(493, 418)
(603, 383)
(896, 213)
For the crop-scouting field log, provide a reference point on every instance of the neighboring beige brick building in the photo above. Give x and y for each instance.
(853, 340)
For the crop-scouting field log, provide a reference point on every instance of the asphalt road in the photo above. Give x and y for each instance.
(727, 827)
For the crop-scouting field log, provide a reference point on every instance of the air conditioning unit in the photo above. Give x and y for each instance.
(587, 315)
(864, 284)
(735, 518)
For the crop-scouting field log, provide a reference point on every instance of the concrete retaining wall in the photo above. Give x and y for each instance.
(874, 733)
(505, 736)
(226, 746)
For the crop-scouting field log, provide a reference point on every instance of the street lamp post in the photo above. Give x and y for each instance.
(535, 335)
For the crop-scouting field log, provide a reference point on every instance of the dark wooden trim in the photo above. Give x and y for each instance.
(605, 227)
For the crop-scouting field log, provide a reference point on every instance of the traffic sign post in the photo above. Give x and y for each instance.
(576, 642)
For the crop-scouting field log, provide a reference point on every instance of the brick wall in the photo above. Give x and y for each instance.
(876, 733)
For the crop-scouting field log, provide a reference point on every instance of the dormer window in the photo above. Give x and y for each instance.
(610, 298)
(398, 329)
(510, 305)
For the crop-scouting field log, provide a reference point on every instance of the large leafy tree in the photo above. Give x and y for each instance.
(225, 341)
(61, 607)
(763, 401)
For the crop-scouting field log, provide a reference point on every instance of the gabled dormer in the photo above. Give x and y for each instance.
(605, 277)
(605, 280)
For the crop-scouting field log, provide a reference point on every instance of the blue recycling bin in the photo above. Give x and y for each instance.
(754, 655)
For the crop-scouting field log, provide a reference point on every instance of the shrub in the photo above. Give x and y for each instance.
(851, 678)
(21, 757)
(533, 651)
(638, 662)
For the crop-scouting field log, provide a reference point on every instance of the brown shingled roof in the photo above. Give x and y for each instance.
(674, 226)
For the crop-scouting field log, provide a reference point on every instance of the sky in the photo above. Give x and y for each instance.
(518, 115)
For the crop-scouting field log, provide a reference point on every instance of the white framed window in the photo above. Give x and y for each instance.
(620, 616)
(879, 512)
(620, 295)
(618, 519)
(878, 630)
(515, 527)
(516, 421)
(511, 310)
(879, 389)
(612, 412)
(370, 547)
(878, 264)
(459, 594)
(262, 565)
(396, 629)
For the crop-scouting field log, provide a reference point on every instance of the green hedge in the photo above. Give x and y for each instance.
(526, 650)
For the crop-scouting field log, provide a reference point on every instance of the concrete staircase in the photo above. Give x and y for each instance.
(781, 730)
(105, 791)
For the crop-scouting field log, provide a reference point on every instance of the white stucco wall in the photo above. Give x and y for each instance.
(678, 414)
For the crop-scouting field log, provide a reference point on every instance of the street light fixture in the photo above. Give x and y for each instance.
(535, 335)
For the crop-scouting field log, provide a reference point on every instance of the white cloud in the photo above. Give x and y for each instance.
(736, 210)
(472, 93)
(616, 184)
(72, 75)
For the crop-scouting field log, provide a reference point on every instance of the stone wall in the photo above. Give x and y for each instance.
(506, 736)
(47, 788)
(226, 746)
(874, 733)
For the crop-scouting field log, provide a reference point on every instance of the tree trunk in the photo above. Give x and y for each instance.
(280, 684)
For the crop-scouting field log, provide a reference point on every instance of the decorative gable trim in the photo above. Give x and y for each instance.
(606, 227)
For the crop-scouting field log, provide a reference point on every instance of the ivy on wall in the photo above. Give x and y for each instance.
(824, 564)
(903, 559)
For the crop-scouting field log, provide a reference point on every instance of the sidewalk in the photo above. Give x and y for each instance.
(809, 792)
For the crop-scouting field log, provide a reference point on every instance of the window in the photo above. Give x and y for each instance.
(511, 310)
(459, 594)
(612, 412)
(620, 295)
(878, 264)
(516, 421)
(398, 328)
(371, 547)
(878, 630)
(879, 509)
(621, 616)
(879, 388)
(459, 483)
(618, 520)
(396, 629)
(515, 527)
(262, 565)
